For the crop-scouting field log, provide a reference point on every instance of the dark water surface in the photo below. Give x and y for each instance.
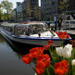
(10, 59)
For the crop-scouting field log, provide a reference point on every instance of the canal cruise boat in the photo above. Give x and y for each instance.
(34, 33)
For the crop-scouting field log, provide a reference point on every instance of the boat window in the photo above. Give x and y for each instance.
(72, 22)
(30, 29)
(66, 22)
(19, 30)
(34, 29)
(8, 28)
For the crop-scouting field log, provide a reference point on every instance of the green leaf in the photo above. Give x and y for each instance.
(73, 70)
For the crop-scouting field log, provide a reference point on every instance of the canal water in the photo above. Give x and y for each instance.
(10, 59)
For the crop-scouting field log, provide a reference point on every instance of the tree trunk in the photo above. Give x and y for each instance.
(0, 16)
(7, 16)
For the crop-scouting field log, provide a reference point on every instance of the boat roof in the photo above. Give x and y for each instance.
(22, 24)
(9, 24)
(33, 23)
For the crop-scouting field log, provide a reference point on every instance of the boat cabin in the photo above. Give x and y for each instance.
(26, 29)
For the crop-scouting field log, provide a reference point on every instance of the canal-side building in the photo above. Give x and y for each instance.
(32, 9)
(24, 10)
(49, 9)
(19, 11)
(72, 5)
(72, 8)
(14, 15)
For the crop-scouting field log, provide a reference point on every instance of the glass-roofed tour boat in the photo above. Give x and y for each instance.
(34, 33)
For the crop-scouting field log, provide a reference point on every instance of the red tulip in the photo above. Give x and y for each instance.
(60, 33)
(36, 51)
(62, 67)
(50, 42)
(40, 67)
(27, 58)
(39, 71)
(45, 59)
(73, 43)
(36, 54)
(63, 35)
(46, 47)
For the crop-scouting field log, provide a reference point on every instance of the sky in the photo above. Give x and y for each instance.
(14, 2)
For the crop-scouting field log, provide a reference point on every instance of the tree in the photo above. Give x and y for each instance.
(63, 5)
(7, 6)
(4, 16)
(1, 12)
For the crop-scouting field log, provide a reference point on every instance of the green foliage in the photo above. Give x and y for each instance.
(7, 7)
(63, 5)
(1, 11)
(73, 70)
(73, 57)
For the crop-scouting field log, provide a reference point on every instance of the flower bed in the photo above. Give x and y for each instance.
(59, 60)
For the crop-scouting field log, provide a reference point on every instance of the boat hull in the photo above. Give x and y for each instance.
(32, 41)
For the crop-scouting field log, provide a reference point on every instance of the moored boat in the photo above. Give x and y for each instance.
(31, 33)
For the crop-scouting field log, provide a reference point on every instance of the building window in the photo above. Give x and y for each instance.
(53, 3)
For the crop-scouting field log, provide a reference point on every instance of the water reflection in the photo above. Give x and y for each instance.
(20, 49)
(10, 58)
(1, 40)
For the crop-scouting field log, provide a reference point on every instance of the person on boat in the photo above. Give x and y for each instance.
(60, 23)
(56, 22)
